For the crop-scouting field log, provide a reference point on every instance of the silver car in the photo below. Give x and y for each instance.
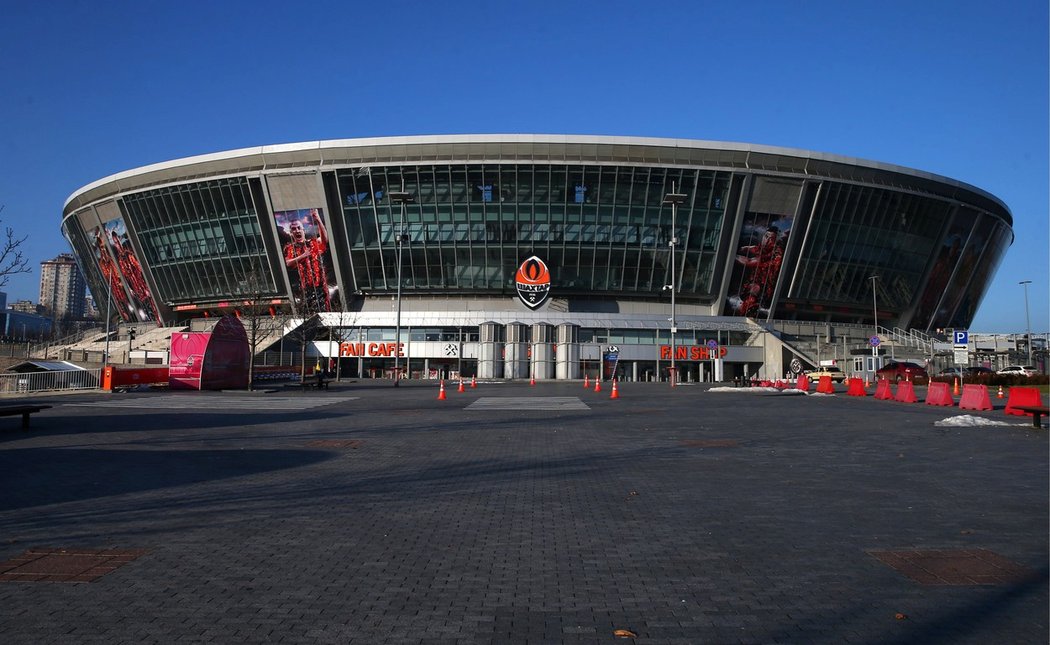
(1018, 370)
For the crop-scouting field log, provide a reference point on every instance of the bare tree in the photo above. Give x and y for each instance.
(261, 317)
(301, 333)
(12, 260)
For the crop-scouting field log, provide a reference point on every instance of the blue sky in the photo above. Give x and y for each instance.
(954, 88)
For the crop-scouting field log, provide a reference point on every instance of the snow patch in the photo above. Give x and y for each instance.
(970, 421)
(757, 390)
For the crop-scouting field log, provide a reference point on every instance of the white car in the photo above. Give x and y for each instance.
(828, 370)
(1017, 370)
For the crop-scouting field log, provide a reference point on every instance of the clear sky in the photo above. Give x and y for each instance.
(956, 88)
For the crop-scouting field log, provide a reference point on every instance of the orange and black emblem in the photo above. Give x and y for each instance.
(533, 282)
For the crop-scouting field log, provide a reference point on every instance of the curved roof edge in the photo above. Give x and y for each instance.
(263, 151)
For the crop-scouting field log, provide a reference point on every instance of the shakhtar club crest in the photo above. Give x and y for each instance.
(533, 282)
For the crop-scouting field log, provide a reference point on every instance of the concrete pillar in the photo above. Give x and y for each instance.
(542, 351)
(516, 357)
(568, 355)
(490, 350)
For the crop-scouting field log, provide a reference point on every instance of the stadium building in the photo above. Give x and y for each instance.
(517, 256)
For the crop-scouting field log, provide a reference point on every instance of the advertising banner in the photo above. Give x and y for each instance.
(214, 360)
(759, 257)
(120, 267)
(186, 360)
(307, 259)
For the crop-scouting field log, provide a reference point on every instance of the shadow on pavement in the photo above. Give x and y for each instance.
(42, 476)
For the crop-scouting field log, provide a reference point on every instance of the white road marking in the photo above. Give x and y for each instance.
(528, 403)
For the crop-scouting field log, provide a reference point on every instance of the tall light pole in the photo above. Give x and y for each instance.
(674, 199)
(1027, 320)
(403, 198)
(109, 301)
(875, 310)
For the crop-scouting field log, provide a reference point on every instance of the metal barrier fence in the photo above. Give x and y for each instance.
(50, 381)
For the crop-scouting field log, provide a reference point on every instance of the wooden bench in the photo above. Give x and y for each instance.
(24, 410)
(1037, 412)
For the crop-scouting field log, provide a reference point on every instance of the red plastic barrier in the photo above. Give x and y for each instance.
(123, 376)
(905, 392)
(803, 383)
(882, 390)
(824, 385)
(938, 394)
(1022, 396)
(856, 387)
(975, 397)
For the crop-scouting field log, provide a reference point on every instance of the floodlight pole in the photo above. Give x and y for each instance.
(1027, 320)
(674, 199)
(403, 198)
(109, 304)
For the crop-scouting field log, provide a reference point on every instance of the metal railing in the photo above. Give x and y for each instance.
(911, 338)
(41, 348)
(27, 382)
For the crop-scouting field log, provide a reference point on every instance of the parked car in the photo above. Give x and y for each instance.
(1018, 370)
(963, 372)
(832, 371)
(902, 371)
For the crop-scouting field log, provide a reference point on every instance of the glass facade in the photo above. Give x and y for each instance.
(601, 229)
(762, 235)
(859, 231)
(202, 240)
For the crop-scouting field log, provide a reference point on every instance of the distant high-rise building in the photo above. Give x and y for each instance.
(3, 300)
(62, 288)
(90, 310)
(26, 307)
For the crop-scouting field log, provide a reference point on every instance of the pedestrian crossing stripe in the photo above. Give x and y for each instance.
(528, 403)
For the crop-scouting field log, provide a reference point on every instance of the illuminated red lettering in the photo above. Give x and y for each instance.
(351, 349)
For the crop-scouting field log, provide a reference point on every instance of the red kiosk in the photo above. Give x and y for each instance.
(210, 360)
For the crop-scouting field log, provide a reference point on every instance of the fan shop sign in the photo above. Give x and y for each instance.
(692, 352)
(372, 350)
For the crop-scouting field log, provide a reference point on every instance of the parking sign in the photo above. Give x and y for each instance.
(961, 338)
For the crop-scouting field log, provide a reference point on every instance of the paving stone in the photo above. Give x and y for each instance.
(386, 516)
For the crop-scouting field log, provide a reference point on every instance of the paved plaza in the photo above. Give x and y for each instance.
(513, 513)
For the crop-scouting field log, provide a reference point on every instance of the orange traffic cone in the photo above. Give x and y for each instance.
(615, 393)
(532, 380)
(441, 392)
(955, 388)
(1000, 395)
(597, 385)
(586, 383)
(473, 381)
(461, 388)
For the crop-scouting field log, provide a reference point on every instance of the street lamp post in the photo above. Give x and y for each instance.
(674, 199)
(875, 311)
(1027, 320)
(403, 198)
(109, 302)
